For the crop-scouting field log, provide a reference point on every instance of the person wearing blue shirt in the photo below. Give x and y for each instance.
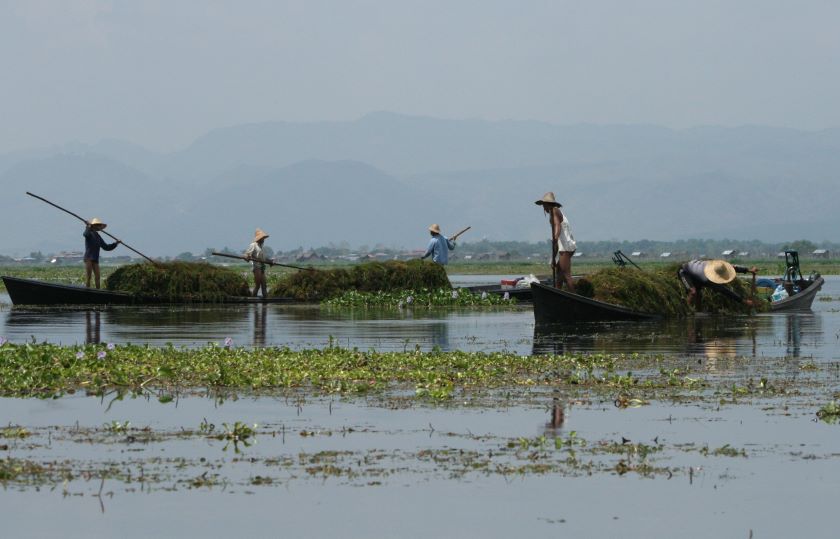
(93, 243)
(439, 246)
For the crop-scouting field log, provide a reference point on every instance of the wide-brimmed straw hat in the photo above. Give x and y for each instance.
(259, 235)
(97, 222)
(719, 271)
(434, 228)
(548, 200)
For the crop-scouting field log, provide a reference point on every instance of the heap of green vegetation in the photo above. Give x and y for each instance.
(659, 292)
(317, 285)
(442, 297)
(178, 281)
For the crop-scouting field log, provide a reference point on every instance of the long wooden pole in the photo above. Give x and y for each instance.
(269, 262)
(455, 236)
(127, 246)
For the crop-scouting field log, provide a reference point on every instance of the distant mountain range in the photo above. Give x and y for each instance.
(384, 178)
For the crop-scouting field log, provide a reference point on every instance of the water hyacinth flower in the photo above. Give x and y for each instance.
(228, 342)
(111, 346)
(409, 300)
(101, 354)
(80, 355)
(506, 296)
(3, 340)
(484, 295)
(454, 294)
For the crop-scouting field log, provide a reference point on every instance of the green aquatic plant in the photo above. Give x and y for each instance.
(317, 285)
(830, 412)
(441, 297)
(238, 433)
(178, 281)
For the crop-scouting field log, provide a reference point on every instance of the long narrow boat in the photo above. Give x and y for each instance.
(33, 292)
(552, 305)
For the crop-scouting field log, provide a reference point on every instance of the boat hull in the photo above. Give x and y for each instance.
(553, 306)
(33, 292)
(801, 301)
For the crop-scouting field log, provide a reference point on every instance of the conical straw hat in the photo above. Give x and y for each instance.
(719, 271)
(434, 228)
(548, 200)
(259, 235)
(96, 222)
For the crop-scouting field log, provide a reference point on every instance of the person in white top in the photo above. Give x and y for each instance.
(257, 257)
(563, 244)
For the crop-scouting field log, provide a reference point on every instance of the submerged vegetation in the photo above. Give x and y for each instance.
(317, 285)
(660, 292)
(178, 281)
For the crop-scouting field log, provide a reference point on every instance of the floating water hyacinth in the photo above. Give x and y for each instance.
(101, 354)
(80, 355)
(228, 342)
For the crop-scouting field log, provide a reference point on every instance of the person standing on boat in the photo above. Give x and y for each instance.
(713, 274)
(93, 243)
(257, 257)
(563, 244)
(439, 246)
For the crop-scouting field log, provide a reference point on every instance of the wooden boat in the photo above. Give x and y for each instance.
(552, 305)
(33, 292)
(521, 294)
(802, 300)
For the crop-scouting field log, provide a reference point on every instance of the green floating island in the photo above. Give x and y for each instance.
(178, 281)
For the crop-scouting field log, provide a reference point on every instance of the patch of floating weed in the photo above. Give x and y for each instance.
(441, 297)
(238, 433)
(14, 432)
(830, 413)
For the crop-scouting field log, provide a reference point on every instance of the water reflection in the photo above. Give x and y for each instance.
(93, 327)
(785, 334)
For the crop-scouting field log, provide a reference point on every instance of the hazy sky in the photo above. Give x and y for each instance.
(161, 72)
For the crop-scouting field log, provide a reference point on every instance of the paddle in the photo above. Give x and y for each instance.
(269, 262)
(42, 199)
(455, 236)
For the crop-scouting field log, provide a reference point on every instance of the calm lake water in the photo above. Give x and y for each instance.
(813, 334)
(414, 464)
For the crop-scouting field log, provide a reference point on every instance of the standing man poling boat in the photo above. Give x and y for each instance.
(439, 246)
(563, 244)
(257, 257)
(93, 243)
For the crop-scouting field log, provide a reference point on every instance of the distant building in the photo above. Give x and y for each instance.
(638, 254)
(744, 253)
(309, 256)
(821, 253)
(666, 254)
(577, 254)
(729, 253)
